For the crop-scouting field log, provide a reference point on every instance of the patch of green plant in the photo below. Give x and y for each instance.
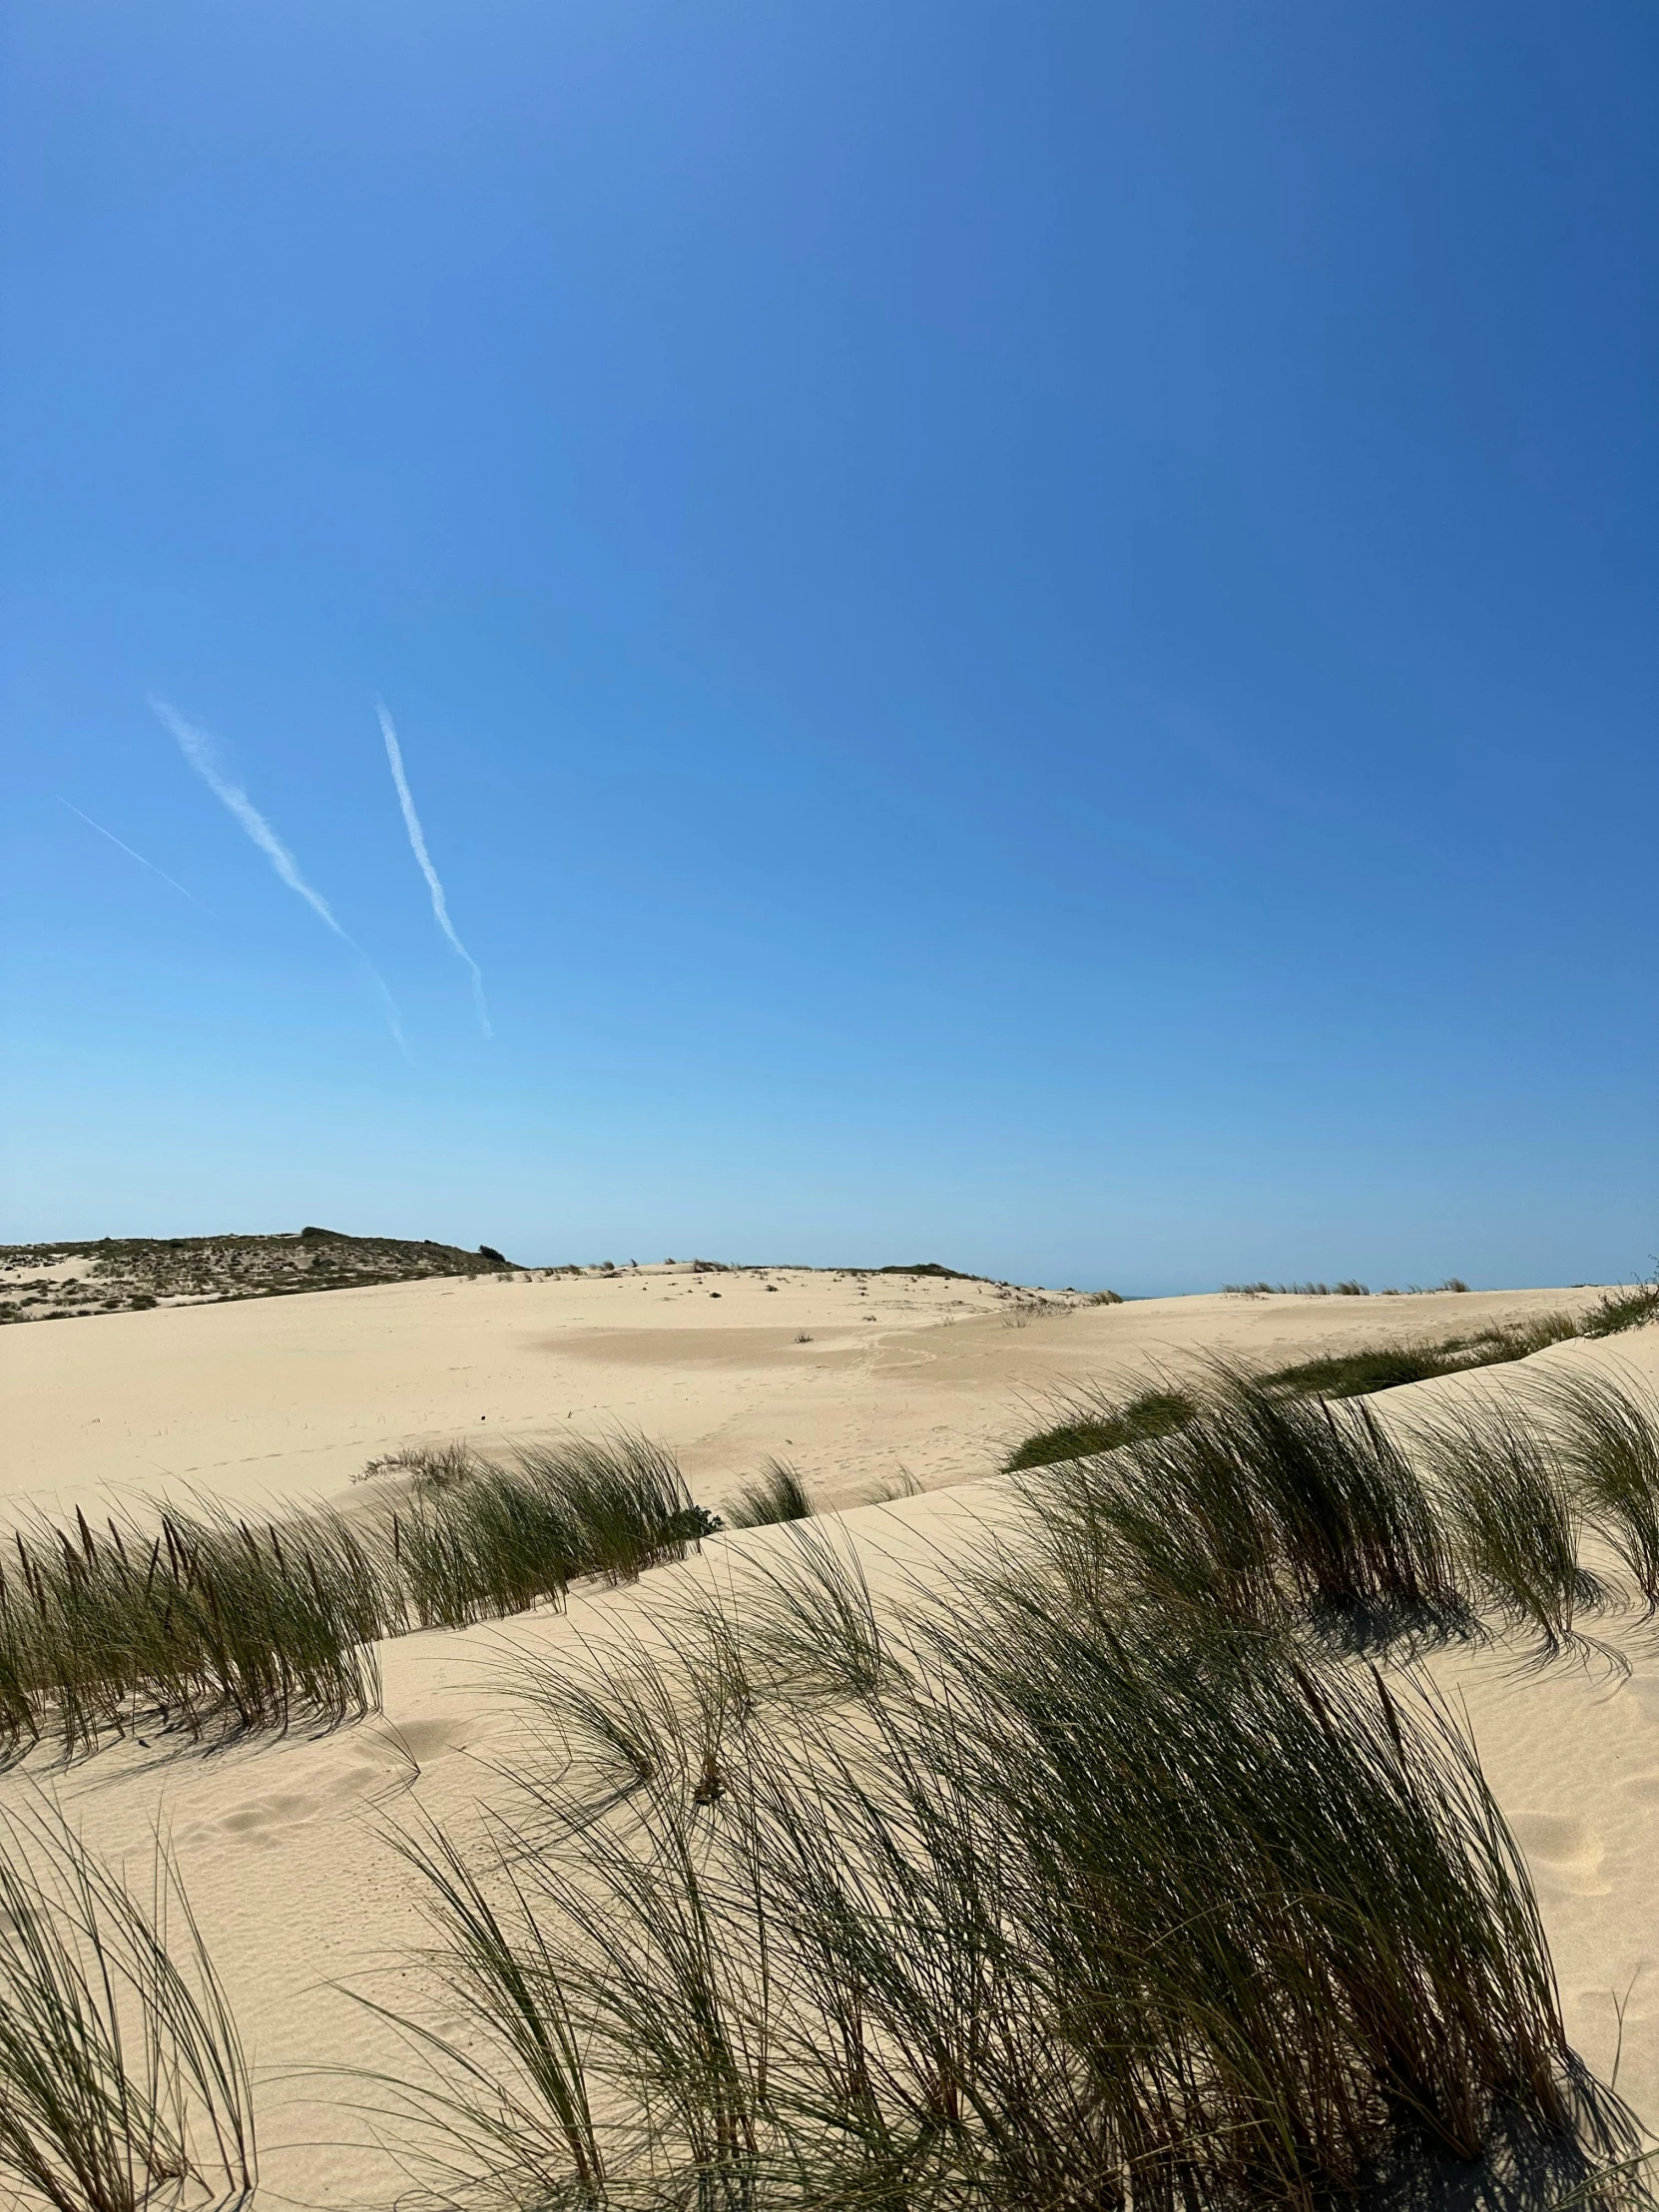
(202, 1621)
(478, 1539)
(1357, 1372)
(1514, 1513)
(1621, 1310)
(1256, 1510)
(1608, 1437)
(1373, 1368)
(1103, 1426)
(925, 1267)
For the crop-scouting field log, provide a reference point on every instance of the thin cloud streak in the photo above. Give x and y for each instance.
(202, 751)
(417, 846)
(132, 856)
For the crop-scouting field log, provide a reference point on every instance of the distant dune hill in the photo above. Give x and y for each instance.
(116, 1274)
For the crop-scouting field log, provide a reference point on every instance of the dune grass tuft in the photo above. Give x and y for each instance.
(478, 1538)
(1507, 1496)
(1609, 1443)
(475, 1542)
(1094, 1422)
(122, 2080)
(626, 1497)
(1256, 1509)
(1059, 1906)
(776, 1493)
(204, 1620)
(1621, 1310)
(1357, 1372)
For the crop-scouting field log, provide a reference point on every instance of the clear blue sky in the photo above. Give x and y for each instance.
(1023, 633)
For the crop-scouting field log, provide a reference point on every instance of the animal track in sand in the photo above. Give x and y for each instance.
(1567, 1849)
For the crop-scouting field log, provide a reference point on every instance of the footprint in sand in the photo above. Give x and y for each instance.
(263, 1817)
(276, 1813)
(1567, 1850)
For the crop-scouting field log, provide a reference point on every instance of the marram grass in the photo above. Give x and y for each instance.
(1052, 1904)
(201, 1619)
(776, 1493)
(206, 1621)
(123, 2083)
(1258, 1509)
(1093, 1422)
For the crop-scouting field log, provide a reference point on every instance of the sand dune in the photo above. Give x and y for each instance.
(283, 1842)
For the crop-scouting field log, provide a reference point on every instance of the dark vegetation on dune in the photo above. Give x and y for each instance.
(1621, 1310)
(1385, 1366)
(1095, 1423)
(198, 1622)
(127, 1273)
(925, 1266)
(1102, 1425)
(776, 1493)
(202, 1621)
(1268, 1512)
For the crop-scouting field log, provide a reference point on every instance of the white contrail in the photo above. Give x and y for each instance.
(417, 845)
(201, 750)
(132, 856)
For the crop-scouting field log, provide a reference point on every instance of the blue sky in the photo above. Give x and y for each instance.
(1023, 634)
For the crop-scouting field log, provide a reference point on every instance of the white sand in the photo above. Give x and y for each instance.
(283, 1842)
(288, 1396)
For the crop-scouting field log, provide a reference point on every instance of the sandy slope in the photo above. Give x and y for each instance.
(285, 1842)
